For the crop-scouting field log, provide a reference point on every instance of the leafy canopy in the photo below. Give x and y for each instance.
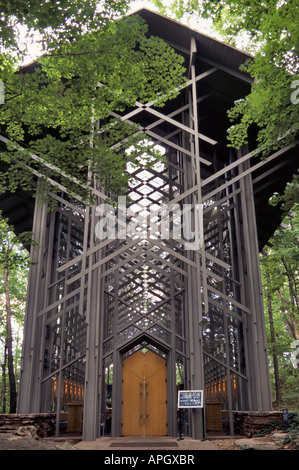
(272, 32)
(65, 108)
(58, 20)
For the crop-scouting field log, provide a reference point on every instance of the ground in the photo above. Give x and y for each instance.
(26, 439)
(272, 441)
(9, 441)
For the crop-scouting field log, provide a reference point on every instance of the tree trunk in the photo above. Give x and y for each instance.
(11, 374)
(273, 342)
(3, 388)
(289, 318)
(293, 289)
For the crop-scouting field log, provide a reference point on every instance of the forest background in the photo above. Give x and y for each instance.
(268, 30)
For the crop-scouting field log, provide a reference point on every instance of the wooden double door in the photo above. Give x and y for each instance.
(144, 395)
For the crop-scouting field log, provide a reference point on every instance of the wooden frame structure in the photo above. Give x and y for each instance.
(92, 302)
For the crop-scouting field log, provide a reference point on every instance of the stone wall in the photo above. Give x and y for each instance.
(44, 423)
(247, 423)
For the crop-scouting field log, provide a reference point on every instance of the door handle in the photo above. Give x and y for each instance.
(146, 399)
(141, 394)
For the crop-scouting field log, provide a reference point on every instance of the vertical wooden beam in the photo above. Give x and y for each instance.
(116, 423)
(92, 415)
(257, 360)
(197, 282)
(29, 390)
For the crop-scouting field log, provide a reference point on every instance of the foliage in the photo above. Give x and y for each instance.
(290, 196)
(280, 278)
(60, 109)
(272, 31)
(290, 430)
(55, 20)
(14, 263)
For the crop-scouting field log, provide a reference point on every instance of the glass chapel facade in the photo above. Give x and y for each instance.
(185, 308)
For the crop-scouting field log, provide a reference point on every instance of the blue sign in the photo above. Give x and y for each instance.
(190, 399)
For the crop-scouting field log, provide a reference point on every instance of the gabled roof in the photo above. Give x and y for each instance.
(179, 36)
